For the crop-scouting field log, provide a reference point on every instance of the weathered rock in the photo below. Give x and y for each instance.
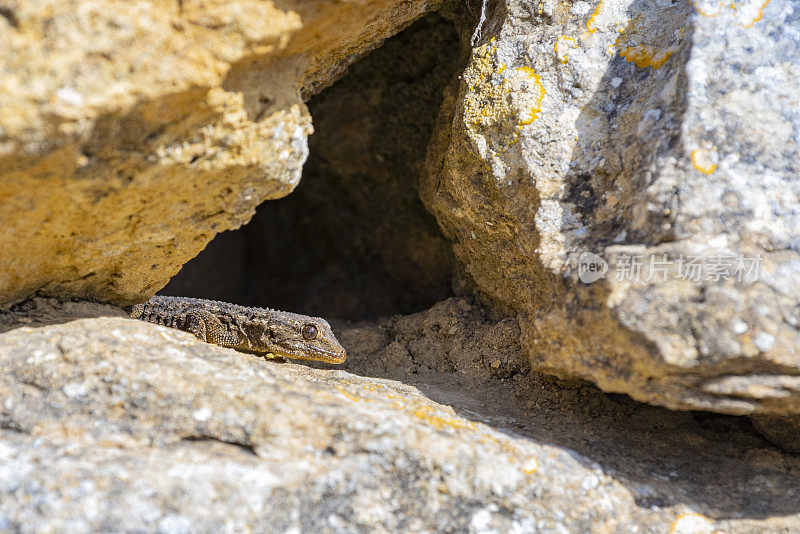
(652, 133)
(104, 406)
(111, 424)
(130, 134)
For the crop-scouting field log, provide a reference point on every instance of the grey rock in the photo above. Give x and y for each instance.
(177, 436)
(655, 133)
(174, 435)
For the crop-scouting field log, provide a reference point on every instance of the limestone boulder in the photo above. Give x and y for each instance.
(623, 177)
(110, 424)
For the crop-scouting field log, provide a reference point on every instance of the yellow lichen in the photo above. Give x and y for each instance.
(645, 56)
(639, 44)
(705, 159)
(426, 414)
(485, 102)
(490, 112)
(351, 397)
(423, 412)
(590, 24)
(533, 111)
(530, 466)
(560, 47)
(706, 10)
(748, 12)
(758, 15)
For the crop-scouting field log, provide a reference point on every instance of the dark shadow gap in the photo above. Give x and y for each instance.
(353, 241)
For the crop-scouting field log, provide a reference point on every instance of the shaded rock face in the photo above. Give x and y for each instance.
(130, 134)
(353, 241)
(107, 423)
(661, 137)
(781, 430)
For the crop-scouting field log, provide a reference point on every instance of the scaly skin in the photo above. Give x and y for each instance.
(255, 330)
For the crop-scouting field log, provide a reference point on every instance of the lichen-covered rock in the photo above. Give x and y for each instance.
(662, 137)
(110, 424)
(132, 133)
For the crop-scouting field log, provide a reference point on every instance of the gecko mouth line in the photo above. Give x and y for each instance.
(320, 356)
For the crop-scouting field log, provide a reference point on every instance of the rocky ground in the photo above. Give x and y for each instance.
(113, 424)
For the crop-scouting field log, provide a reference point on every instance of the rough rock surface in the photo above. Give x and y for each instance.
(132, 133)
(111, 424)
(663, 134)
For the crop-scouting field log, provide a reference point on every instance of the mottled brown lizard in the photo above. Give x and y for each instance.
(254, 330)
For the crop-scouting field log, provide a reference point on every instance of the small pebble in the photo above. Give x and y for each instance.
(75, 389)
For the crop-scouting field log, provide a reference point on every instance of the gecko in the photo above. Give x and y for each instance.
(262, 331)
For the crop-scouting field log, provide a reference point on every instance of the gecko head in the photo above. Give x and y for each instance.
(306, 338)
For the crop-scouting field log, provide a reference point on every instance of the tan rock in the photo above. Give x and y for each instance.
(130, 134)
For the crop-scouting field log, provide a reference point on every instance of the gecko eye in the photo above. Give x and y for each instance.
(309, 331)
